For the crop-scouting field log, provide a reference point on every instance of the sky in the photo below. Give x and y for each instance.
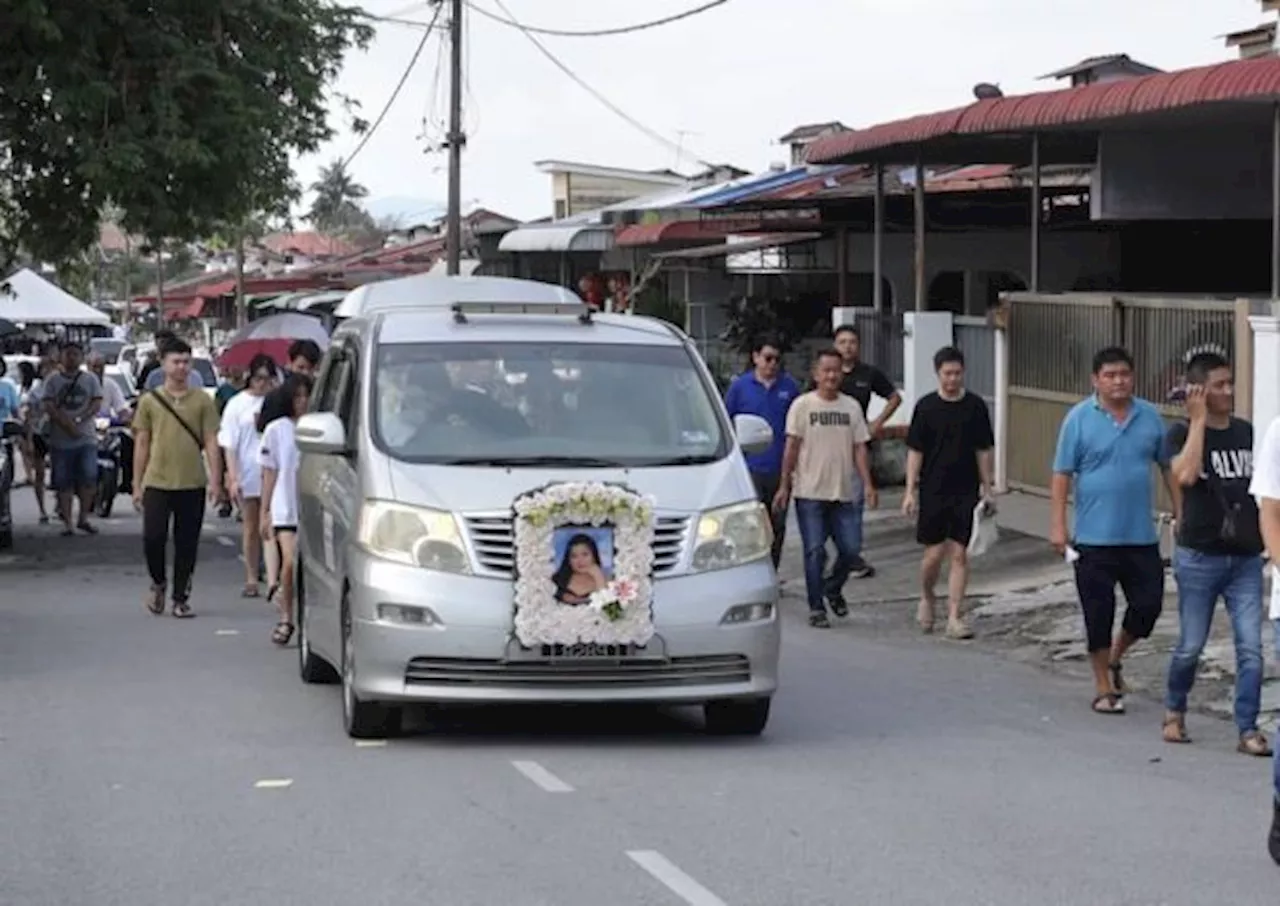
(723, 85)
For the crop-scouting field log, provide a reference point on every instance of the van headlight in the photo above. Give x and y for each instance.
(415, 536)
(731, 536)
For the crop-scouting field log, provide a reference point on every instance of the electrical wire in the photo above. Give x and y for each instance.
(404, 77)
(597, 33)
(610, 105)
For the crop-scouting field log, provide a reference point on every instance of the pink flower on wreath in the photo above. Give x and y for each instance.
(626, 591)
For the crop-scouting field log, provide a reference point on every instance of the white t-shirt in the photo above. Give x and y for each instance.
(239, 434)
(280, 454)
(1266, 483)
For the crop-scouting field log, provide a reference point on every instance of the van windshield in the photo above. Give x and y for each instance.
(539, 404)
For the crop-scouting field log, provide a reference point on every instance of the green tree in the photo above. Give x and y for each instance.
(182, 115)
(336, 208)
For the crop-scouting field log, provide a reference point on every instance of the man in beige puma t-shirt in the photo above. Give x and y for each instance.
(827, 438)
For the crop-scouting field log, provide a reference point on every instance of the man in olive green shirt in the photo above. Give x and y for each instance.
(176, 464)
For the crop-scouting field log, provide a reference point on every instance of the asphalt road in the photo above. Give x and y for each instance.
(151, 762)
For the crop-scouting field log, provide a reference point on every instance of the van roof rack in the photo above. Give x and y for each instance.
(582, 311)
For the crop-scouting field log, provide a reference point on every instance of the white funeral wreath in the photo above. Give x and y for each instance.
(619, 614)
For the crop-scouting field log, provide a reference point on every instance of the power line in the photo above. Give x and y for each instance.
(598, 33)
(404, 77)
(581, 83)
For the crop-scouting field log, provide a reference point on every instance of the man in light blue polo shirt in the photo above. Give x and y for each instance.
(1106, 448)
(767, 391)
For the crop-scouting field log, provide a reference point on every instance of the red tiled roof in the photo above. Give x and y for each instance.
(673, 231)
(1085, 105)
(310, 243)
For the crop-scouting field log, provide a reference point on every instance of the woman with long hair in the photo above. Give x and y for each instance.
(240, 438)
(580, 573)
(279, 518)
(35, 447)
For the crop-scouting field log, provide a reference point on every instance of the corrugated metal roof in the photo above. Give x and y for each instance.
(558, 237)
(672, 231)
(1086, 105)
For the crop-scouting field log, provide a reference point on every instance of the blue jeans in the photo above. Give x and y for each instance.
(841, 521)
(1202, 579)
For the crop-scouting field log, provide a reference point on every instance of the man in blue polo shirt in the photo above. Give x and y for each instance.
(1106, 448)
(767, 391)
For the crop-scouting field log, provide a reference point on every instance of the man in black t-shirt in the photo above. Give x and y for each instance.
(949, 461)
(1219, 547)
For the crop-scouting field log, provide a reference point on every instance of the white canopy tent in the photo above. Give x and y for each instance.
(31, 299)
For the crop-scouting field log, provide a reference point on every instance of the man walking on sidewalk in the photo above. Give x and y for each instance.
(827, 439)
(1106, 447)
(949, 462)
(71, 398)
(176, 462)
(1266, 488)
(768, 392)
(1219, 547)
(862, 380)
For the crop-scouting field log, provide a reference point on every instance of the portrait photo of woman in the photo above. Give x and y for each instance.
(585, 563)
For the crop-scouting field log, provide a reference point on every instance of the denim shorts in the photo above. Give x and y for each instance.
(74, 468)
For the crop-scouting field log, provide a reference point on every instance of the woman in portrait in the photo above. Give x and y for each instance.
(580, 573)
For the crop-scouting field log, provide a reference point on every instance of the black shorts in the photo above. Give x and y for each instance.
(1138, 570)
(945, 518)
(281, 529)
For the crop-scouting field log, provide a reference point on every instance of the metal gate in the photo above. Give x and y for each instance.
(1051, 343)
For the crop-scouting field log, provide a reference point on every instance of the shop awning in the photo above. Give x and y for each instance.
(642, 234)
(188, 309)
(722, 249)
(559, 237)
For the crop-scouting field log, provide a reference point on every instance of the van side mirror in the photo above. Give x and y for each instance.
(321, 432)
(755, 435)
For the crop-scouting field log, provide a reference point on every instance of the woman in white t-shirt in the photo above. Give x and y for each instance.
(240, 439)
(279, 460)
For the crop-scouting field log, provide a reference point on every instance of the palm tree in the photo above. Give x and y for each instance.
(337, 198)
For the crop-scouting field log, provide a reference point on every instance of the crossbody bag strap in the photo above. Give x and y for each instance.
(191, 432)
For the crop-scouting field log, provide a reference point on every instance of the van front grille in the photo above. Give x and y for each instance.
(567, 674)
(493, 540)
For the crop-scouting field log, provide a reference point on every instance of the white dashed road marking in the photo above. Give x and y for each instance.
(542, 777)
(371, 743)
(675, 880)
(280, 784)
(227, 632)
(225, 541)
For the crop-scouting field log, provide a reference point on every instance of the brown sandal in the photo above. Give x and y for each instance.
(1175, 729)
(926, 613)
(1255, 744)
(282, 634)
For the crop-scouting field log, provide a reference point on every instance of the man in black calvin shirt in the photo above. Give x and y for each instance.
(1219, 547)
(949, 463)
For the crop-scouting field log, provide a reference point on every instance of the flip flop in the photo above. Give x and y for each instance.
(1110, 703)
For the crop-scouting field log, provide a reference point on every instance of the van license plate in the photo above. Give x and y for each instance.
(587, 650)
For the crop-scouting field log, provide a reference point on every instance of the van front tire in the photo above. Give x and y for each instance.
(362, 719)
(737, 717)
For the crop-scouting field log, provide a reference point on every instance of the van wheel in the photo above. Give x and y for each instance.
(311, 667)
(362, 719)
(736, 717)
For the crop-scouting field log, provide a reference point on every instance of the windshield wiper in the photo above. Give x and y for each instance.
(584, 461)
(693, 459)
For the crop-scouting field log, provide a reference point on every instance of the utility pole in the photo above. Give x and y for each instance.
(456, 140)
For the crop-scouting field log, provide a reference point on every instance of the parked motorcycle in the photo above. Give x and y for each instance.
(110, 440)
(9, 436)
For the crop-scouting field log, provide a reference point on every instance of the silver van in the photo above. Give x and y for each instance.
(468, 459)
